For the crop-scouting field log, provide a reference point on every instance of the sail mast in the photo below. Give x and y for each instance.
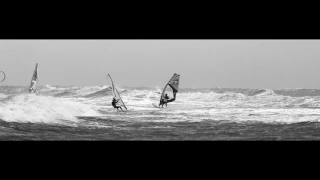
(112, 84)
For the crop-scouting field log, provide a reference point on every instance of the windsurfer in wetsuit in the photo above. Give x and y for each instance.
(114, 101)
(164, 100)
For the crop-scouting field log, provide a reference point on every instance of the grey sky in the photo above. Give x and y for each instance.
(201, 63)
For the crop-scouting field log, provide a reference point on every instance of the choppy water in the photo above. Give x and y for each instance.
(85, 113)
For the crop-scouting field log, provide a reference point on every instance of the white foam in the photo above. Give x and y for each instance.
(48, 86)
(189, 106)
(35, 109)
(2, 96)
(247, 114)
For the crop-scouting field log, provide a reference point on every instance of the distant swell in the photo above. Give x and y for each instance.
(99, 93)
(62, 94)
(255, 92)
(298, 92)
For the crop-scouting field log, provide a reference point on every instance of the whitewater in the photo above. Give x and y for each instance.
(85, 113)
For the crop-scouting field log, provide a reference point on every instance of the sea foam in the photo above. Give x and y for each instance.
(45, 109)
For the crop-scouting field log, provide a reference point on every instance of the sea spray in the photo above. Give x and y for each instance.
(44, 109)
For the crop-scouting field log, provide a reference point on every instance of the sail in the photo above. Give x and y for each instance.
(34, 81)
(116, 95)
(4, 76)
(171, 88)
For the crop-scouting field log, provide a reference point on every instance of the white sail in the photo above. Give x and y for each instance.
(116, 95)
(171, 88)
(34, 81)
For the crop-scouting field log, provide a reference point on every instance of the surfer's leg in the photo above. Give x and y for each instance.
(118, 107)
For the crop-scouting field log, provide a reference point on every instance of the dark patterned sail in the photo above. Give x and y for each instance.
(116, 95)
(171, 89)
(34, 81)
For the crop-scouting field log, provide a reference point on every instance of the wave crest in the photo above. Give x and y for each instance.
(44, 109)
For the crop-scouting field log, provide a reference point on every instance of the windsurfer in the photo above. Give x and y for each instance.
(164, 100)
(114, 101)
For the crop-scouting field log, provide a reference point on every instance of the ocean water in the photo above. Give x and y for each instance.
(85, 113)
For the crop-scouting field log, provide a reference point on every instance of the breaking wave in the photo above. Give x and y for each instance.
(43, 109)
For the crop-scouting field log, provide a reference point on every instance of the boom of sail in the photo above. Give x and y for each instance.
(34, 81)
(171, 89)
(116, 95)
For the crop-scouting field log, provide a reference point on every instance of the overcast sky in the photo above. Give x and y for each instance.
(270, 64)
